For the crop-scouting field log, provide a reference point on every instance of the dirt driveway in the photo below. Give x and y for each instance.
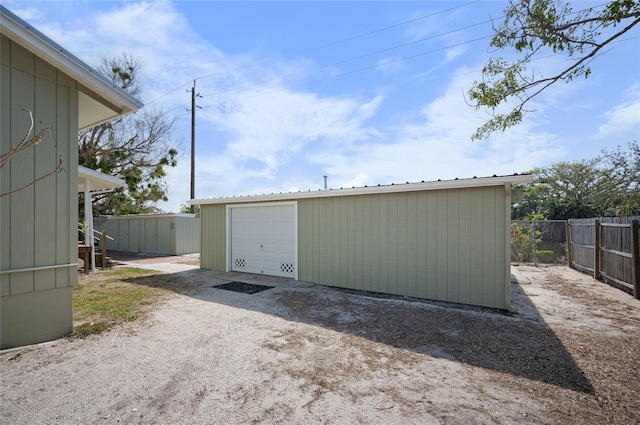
(301, 353)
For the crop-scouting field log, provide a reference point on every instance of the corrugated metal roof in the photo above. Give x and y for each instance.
(366, 190)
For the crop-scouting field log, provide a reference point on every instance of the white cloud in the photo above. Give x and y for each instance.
(438, 146)
(270, 125)
(391, 65)
(624, 118)
(455, 52)
(29, 14)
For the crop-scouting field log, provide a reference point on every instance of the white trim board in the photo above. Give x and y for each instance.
(367, 190)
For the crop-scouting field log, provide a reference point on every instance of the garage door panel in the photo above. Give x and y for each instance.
(281, 250)
(263, 240)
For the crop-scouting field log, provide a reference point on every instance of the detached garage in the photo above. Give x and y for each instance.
(444, 240)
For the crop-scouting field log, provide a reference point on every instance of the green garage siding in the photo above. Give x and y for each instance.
(213, 237)
(446, 245)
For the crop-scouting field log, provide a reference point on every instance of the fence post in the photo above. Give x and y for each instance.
(569, 250)
(534, 242)
(104, 248)
(596, 249)
(635, 252)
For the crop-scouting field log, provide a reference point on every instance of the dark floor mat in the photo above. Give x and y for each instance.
(244, 288)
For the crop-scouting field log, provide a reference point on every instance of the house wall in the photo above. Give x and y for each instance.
(38, 255)
(449, 245)
(170, 234)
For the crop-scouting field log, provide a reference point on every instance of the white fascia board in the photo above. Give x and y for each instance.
(370, 190)
(150, 215)
(24, 34)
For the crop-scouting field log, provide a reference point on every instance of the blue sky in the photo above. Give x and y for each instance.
(363, 92)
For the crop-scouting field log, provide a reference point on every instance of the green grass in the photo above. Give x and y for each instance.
(106, 299)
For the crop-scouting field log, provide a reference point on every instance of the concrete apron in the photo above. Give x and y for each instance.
(171, 266)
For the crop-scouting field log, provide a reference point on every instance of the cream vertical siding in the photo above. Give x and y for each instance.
(446, 245)
(213, 237)
(187, 235)
(172, 234)
(38, 223)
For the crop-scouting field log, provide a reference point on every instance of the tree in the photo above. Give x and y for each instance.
(186, 209)
(608, 185)
(535, 28)
(625, 166)
(136, 148)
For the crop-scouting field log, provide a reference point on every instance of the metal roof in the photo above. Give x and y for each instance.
(368, 190)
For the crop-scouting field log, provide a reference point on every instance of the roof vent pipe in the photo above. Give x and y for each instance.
(325, 182)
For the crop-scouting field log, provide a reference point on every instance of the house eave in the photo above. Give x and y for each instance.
(118, 101)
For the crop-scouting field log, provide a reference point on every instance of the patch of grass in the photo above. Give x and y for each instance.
(87, 329)
(106, 299)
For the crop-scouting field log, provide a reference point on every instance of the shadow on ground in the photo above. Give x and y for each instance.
(522, 345)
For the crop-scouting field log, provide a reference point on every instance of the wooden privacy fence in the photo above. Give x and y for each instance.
(608, 248)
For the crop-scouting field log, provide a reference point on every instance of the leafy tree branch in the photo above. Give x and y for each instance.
(536, 27)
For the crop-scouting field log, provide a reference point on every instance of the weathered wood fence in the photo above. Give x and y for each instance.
(608, 248)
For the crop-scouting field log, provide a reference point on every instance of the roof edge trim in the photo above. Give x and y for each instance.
(369, 190)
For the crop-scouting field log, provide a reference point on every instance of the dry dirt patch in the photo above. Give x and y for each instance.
(318, 355)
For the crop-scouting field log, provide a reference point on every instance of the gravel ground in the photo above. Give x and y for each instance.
(302, 353)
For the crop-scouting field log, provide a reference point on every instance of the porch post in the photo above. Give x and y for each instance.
(88, 218)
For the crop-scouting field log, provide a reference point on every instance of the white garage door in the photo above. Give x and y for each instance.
(263, 240)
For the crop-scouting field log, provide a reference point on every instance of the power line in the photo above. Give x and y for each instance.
(410, 21)
(394, 48)
(378, 52)
(405, 58)
(405, 44)
(379, 65)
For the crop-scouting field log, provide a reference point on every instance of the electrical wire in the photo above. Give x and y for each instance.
(379, 65)
(410, 21)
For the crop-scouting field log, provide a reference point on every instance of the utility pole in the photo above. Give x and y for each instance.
(193, 143)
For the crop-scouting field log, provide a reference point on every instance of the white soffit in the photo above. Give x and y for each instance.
(92, 112)
(369, 190)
